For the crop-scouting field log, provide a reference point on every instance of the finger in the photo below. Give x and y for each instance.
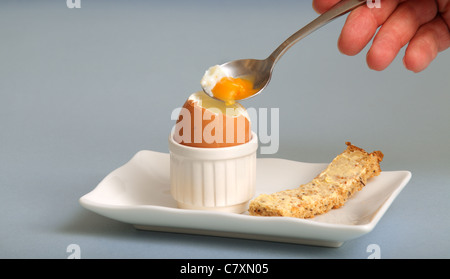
(430, 39)
(398, 30)
(321, 6)
(361, 25)
(444, 11)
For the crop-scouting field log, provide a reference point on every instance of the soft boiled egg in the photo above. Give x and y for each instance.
(226, 88)
(210, 123)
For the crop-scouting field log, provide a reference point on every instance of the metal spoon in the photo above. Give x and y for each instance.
(260, 71)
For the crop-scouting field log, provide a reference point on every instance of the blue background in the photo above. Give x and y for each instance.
(83, 90)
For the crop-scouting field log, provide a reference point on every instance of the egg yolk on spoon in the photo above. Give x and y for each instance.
(230, 89)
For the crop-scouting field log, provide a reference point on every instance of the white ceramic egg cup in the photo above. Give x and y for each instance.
(217, 179)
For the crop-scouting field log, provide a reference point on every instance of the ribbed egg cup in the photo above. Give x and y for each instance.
(217, 179)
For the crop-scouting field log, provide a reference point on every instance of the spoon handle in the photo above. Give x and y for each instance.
(336, 11)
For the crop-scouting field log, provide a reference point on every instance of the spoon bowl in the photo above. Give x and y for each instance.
(257, 71)
(260, 71)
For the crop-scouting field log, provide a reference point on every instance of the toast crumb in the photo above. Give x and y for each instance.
(344, 176)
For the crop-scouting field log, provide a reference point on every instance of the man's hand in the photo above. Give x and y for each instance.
(422, 24)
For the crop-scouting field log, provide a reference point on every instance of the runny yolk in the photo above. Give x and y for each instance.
(231, 89)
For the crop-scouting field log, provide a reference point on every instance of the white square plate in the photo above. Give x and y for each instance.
(138, 193)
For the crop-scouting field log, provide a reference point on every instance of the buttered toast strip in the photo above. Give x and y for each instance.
(345, 175)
